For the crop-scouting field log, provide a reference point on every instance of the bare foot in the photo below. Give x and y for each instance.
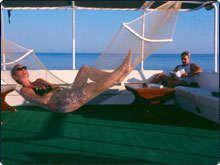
(126, 66)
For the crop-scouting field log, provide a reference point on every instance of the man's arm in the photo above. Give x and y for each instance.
(176, 68)
(195, 69)
(30, 95)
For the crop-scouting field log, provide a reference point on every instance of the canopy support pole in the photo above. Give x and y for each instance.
(215, 38)
(73, 37)
(142, 42)
(2, 40)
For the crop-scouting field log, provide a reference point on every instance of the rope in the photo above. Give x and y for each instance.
(19, 59)
(146, 39)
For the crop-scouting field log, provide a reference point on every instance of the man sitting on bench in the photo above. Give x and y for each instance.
(182, 74)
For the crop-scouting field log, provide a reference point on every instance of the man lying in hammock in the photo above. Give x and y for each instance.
(65, 100)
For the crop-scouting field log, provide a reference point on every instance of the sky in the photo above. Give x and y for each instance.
(51, 30)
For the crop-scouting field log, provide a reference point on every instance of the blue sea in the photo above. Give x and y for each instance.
(63, 61)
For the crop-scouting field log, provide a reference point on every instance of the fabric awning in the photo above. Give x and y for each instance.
(95, 4)
(36, 3)
(185, 5)
(110, 4)
(102, 4)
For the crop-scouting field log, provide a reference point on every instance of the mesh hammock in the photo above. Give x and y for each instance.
(142, 41)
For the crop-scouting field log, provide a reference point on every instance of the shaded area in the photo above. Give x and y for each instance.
(116, 134)
(60, 158)
(159, 114)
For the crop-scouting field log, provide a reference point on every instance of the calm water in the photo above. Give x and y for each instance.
(154, 62)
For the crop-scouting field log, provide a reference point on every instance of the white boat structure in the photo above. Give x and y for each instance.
(199, 101)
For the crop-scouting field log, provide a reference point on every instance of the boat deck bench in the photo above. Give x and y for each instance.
(145, 97)
(198, 101)
(202, 101)
(6, 89)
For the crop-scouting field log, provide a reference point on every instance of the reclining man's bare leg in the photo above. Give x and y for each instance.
(95, 75)
(159, 77)
(86, 73)
(93, 89)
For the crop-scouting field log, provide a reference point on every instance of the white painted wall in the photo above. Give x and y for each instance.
(115, 95)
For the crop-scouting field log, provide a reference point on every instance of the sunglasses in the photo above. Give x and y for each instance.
(19, 69)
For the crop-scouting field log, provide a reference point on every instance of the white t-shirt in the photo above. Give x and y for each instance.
(188, 80)
(181, 69)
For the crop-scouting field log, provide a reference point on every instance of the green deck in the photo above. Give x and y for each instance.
(114, 134)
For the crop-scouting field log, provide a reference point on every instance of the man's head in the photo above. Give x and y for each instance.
(19, 72)
(185, 57)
